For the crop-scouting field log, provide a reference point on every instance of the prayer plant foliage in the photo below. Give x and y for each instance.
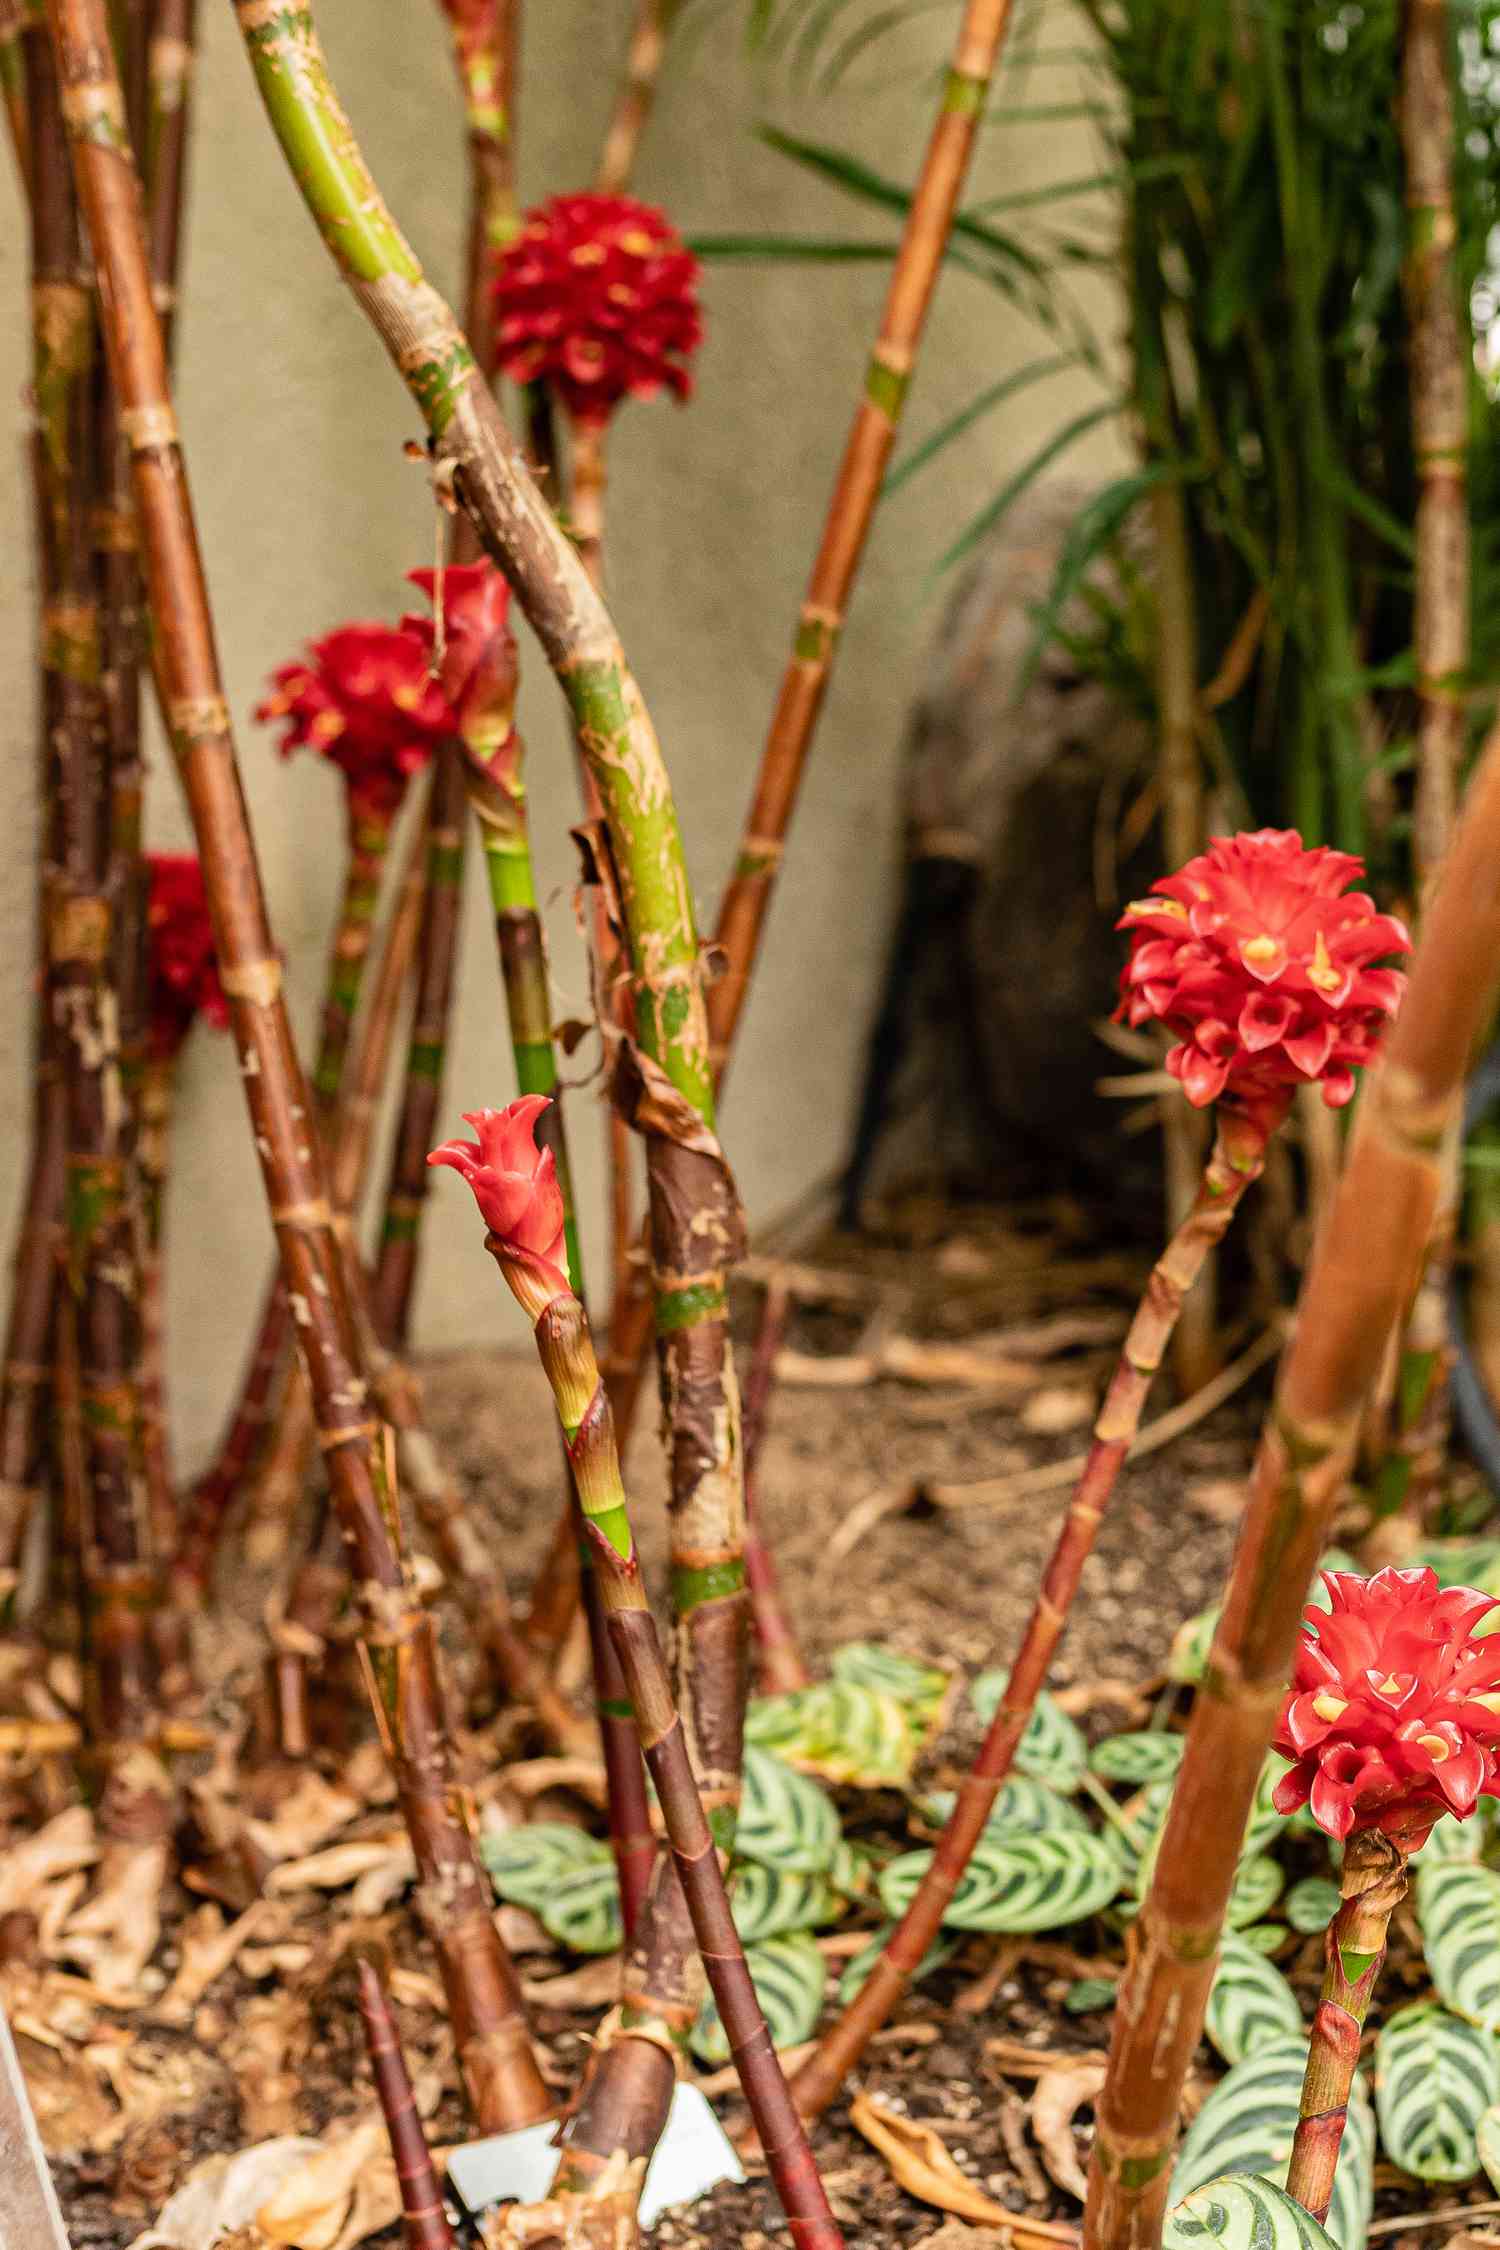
(1069, 1847)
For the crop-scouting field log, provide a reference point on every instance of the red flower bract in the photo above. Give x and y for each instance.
(477, 672)
(1393, 1715)
(597, 297)
(182, 973)
(514, 1183)
(366, 700)
(1260, 959)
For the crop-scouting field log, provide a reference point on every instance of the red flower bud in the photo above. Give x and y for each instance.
(515, 1186)
(366, 700)
(1260, 960)
(598, 297)
(477, 672)
(182, 972)
(1393, 1716)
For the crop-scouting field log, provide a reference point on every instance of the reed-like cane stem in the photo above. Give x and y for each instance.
(422, 2211)
(1235, 1163)
(1359, 1278)
(453, 1895)
(637, 94)
(567, 1356)
(1373, 1884)
(779, 1659)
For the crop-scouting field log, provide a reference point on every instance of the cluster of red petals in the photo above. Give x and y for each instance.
(1261, 961)
(1394, 1710)
(182, 972)
(366, 700)
(597, 297)
(514, 1183)
(476, 665)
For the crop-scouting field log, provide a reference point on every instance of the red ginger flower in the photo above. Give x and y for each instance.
(1393, 1715)
(515, 1186)
(367, 701)
(477, 672)
(1252, 956)
(182, 970)
(598, 297)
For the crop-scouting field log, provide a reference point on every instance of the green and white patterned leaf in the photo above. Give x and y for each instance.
(788, 1974)
(527, 1864)
(1241, 2214)
(1247, 2125)
(768, 1901)
(1052, 1749)
(1266, 1823)
(1488, 2138)
(1024, 1807)
(1458, 1906)
(852, 1870)
(1265, 1937)
(785, 1820)
(1435, 2076)
(1090, 1994)
(1455, 1839)
(1250, 2002)
(1142, 1816)
(922, 1688)
(941, 1949)
(1311, 1904)
(1258, 1884)
(1030, 1883)
(1137, 1758)
(1194, 1637)
(840, 1730)
(582, 1910)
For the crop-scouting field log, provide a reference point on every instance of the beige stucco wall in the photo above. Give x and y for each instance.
(294, 427)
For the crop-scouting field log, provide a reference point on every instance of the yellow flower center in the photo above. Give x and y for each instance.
(1390, 1685)
(588, 254)
(1263, 948)
(1158, 906)
(1329, 1706)
(637, 242)
(1321, 971)
(1435, 1746)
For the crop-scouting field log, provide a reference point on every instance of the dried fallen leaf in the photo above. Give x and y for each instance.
(921, 2164)
(208, 1948)
(224, 2193)
(595, 1985)
(307, 2210)
(1056, 2098)
(28, 1867)
(1050, 1412)
(313, 1812)
(341, 1863)
(114, 1933)
(530, 1777)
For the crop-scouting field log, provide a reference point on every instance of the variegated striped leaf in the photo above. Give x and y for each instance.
(941, 1949)
(852, 1869)
(1258, 1884)
(785, 1820)
(1456, 1839)
(1458, 1906)
(1247, 2125)
(788, 1974)
(1487, 2136)
(1265, 1823)
(582, 1910)
(923, 1689)
(1311, 1904)
(770, 1900)
(527, 1864)
(1137, 1758)
(1241, 2214)
(1023, 1807)
(1052, 1749)
(1194, 1637)
(1265, 1937)
(1030, 1883)
(1435, 2076)
(840, 1730)
(1250, 2002)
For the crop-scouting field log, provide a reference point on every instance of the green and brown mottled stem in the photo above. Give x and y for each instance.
(497, 793)
(851, 509)
(694, 1872)
(453, 1895)
(1373, 1884)
(1359, 1278)
(15, 15)
(780, 1665)
(636, 97)
(169, 81)
(695, 1220)
(1236, 1162)
(153, 1145)
(423, 2216)
(1440, 376)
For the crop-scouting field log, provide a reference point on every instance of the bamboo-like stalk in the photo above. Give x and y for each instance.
(1439, 361)
(1357, 1282)
(14, 18)
(422, 2210)
(1235, 1163)
(498, 797)
(593, 2138)
(695, 1225)
(453, 1896)
(780, 1664)
(1372, 1884)
(851, 508)
(169, 79)
(636, 96)
(153, 1142)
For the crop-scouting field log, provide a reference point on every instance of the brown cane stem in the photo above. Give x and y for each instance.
(782, 1670)
(426, 2221)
